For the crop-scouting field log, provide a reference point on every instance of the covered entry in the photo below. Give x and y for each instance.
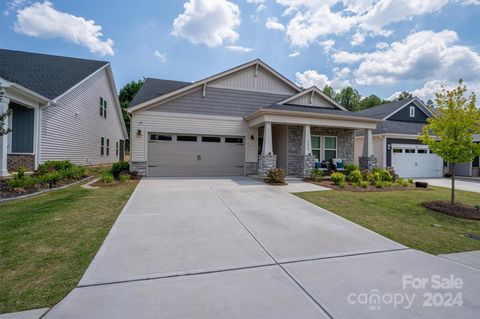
(195, 155)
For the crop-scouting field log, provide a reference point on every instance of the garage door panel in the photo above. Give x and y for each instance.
(420, 163)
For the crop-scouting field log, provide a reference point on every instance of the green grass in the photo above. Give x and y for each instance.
(399, 215)
(48, 241)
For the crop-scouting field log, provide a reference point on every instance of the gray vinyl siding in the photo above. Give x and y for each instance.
(219, 101)
(22, 129)
(404, 115)
(72, 129)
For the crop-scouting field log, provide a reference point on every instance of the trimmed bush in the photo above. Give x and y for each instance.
(276, 175)
(379, 184)
(379, 175)
(364, 184)
(342, 184)
(50, 166)
(410, 180)
(356, 184)
(387, 184)
(355, 176)
(21, 172)
(125, 178)
(119, 168)
(349, 168)
(317, 174)
(106, 177)
(337, 178)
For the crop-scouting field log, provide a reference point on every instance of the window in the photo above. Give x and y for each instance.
(422, 151)
(211, 139)
(160, 137)
(108, 147)
(397, 150)
(476, 162)
(186, 138)
(116, 148)
(410, 150)
(330, 147)
(102, 146)
(412, 111)
(316, 146)
(103, 107)
(234, 140)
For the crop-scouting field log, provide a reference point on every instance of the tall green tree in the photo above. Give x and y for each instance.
(125, 96)
(403, 96)
(450, 133)
(349, 98)
(328, 90)
(371, 101)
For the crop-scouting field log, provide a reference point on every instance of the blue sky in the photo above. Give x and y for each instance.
(376, 46)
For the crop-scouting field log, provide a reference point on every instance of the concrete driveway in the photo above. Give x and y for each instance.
(237, 248)
(462, 184)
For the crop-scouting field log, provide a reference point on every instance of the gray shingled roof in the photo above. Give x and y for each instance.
(47, 75)
(380, 111)
(153, 88)
(396, 127)
(313, 109)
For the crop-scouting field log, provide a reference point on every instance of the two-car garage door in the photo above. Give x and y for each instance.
(416, 161)
(195, 155)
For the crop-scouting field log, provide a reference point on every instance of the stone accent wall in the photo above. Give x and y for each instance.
(140, 167)
(368, 163)
(251, 168)
(308, 165)
(14, 161)
(266, 163)
(295, 159)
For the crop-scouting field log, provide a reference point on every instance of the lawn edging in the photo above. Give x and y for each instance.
(9, 199)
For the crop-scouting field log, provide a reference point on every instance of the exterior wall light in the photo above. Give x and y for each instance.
(139, 132)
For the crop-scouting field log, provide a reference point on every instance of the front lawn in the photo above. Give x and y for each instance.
(48, 241)
(400, 217)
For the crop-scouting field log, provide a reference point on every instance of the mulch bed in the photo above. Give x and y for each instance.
(460, 210)
(371, 188)
(113, 184)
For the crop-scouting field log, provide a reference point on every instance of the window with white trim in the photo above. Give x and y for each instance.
(316, 146)
(330, 147)
(103, 107)
(412, 111)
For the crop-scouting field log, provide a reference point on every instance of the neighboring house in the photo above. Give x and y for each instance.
(242, 121)
(62, 109)
(396, 144)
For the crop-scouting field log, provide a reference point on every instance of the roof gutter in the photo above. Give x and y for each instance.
(260, 112)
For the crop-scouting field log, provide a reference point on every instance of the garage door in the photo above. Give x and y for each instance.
(195, 155)
(416, 161)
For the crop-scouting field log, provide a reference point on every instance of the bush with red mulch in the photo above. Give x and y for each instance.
(460, 210)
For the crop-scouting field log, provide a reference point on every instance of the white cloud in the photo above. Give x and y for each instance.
(421, 56)
(272, 23)
(428, 90)
(42, 20)
(358, 38)
(327, 45)
(161, 56)
(209, 22)
(313, 78)
(260, 4)
(13, 5)
(294, 54)
(382, 45)
(238, 48)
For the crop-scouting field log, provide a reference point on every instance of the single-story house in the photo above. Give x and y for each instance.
(396, 144)
(62, 108)
(243, 121)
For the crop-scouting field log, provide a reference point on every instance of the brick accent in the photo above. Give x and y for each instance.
(251, 168)
(14, 161)
(368, 163)
(140, 167)
(266, 163)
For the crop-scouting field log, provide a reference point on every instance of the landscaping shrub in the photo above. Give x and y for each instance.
(317, 174)
(387, 184)
(364, 184)
(355, 176)
(125, 178)
(379, 175)
(379, 184)
(349, 168)
(276, 175)
(21, 172)
(119, 168)
(50, 166)
(337, 178)
(405, 183)
(106, 177)
(356, 184)
(410, 180)
(342, 184)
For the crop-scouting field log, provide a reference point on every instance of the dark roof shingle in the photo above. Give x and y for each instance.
(381, 111)
(313, 109)
(396, 127)
(47, 75)
(153, 88)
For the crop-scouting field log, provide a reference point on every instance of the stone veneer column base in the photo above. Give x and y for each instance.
(266, 163)
(308, 162)
(140, 167)
(14, 161)
(367, 162)
(251, 168)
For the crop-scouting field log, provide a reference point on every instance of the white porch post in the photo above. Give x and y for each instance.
(367, 143)
(306, 141)
(4, 101)
(267, 148)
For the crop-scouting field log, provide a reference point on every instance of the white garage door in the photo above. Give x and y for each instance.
(195, 155)
(416, 161)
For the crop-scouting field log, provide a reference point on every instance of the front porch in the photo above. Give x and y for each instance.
(297, 143)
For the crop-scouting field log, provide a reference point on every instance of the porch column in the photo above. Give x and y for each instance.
(368, 160)
(267, 148)
(267, 160)
(307, 159)
(4, 101)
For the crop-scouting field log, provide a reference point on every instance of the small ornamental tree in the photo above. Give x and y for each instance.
(449, 134)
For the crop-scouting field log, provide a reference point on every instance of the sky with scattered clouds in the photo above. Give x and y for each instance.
(377, 46)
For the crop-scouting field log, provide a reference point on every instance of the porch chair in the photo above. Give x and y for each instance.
(339, 164)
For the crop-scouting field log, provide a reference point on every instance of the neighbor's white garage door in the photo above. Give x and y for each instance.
(416, 161)
(195, 155)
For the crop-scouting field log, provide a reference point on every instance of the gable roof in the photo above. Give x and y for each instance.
(256, 62)
(384, 111)
(47, 75)
(152, 88)
(313, 90)
(314, 109)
